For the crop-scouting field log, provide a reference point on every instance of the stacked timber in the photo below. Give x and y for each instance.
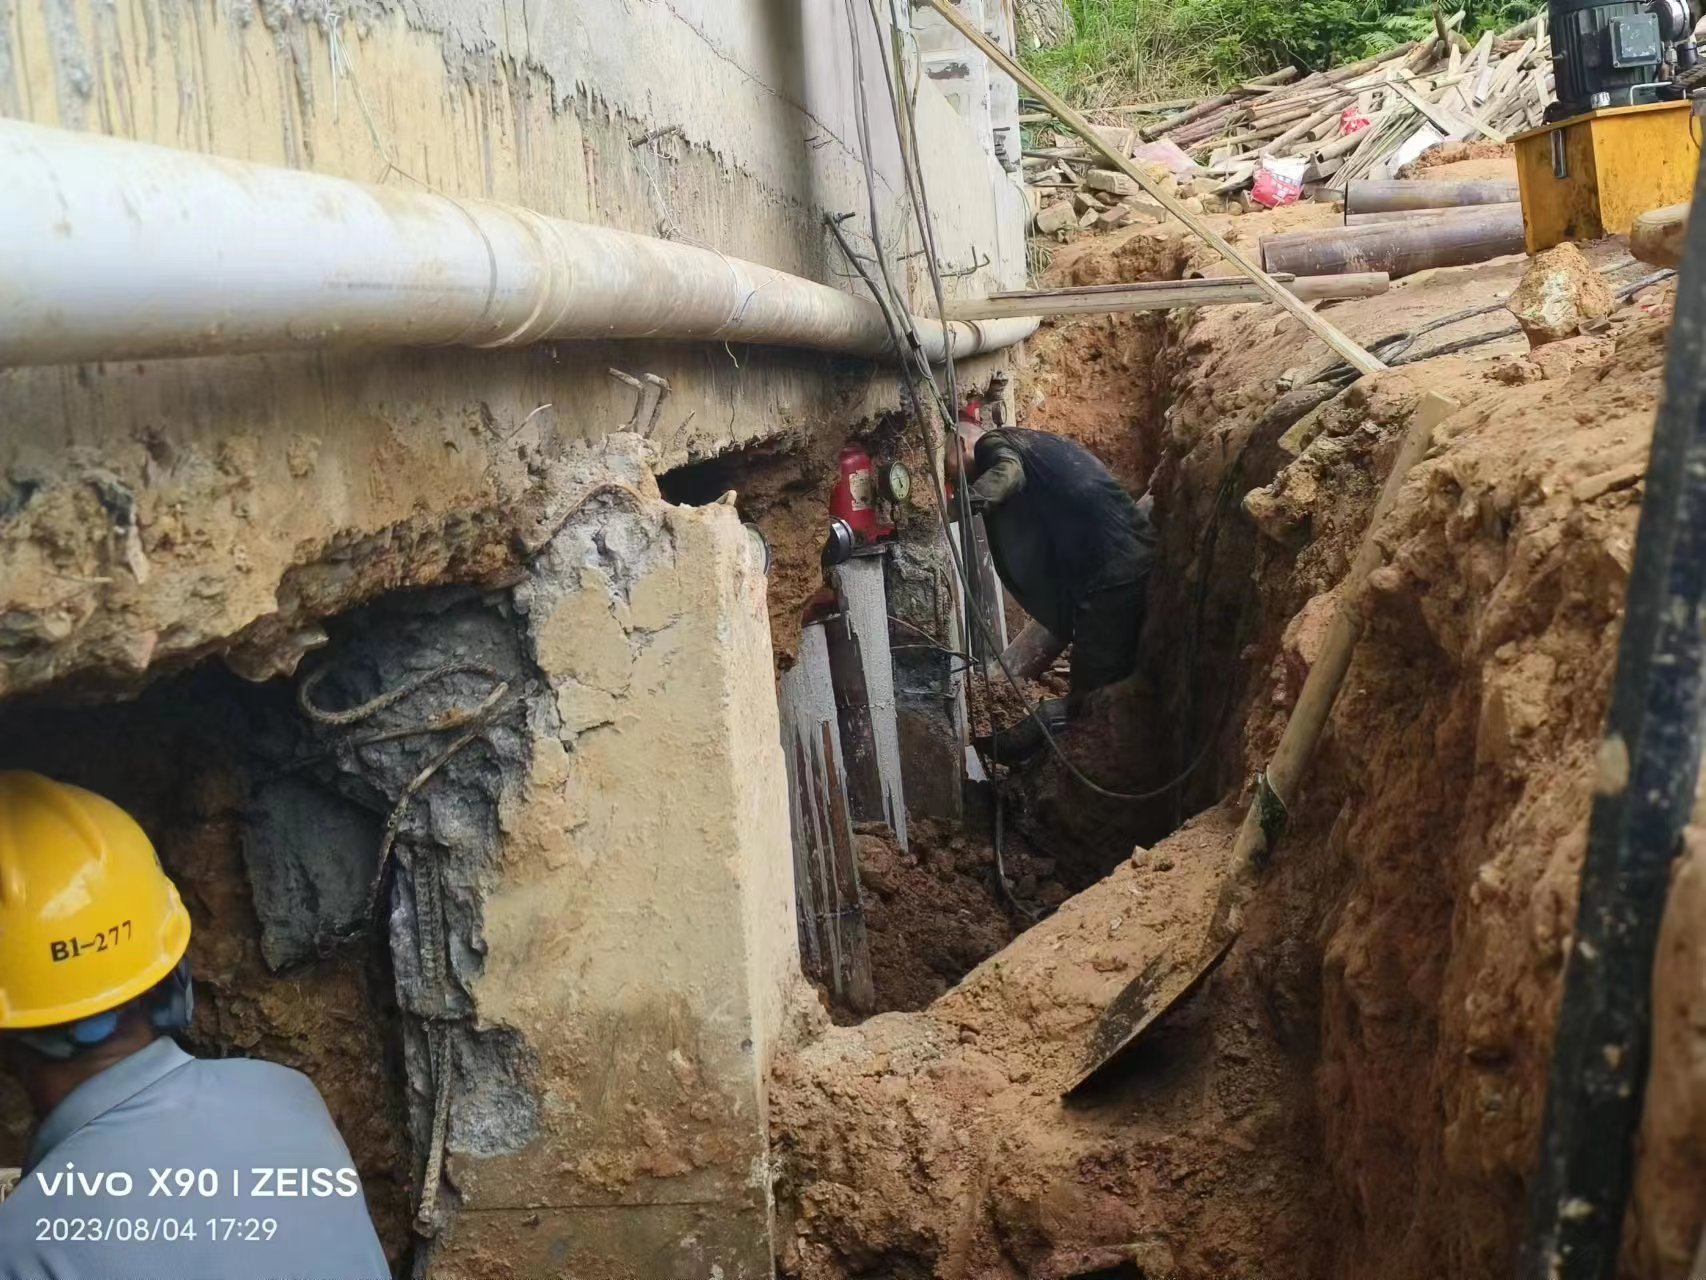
(1366, 120)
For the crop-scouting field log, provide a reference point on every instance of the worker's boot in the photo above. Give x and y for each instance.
(1019, 742)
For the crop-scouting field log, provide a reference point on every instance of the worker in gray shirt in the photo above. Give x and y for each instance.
(147, 1164)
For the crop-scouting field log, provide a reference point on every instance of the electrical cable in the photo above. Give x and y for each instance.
(968, 591)
(918, 192)
(990, 640)
(918, 196)
(983, 623)
(1394, 349)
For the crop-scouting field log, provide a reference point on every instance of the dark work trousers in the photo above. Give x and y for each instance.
(1105, 629)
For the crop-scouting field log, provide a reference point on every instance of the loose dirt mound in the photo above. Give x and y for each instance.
(936, 1144)
(932, 912)
(1463, 160)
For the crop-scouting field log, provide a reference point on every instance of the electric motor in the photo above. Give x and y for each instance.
(1615, 53)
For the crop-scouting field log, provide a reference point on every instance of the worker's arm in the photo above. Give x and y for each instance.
(1000, 480)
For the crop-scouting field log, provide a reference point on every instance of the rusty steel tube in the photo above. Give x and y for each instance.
(1397, 248)
(1392, 196)
(1434, 215)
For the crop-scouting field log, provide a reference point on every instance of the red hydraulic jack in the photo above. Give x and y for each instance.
(856, 506)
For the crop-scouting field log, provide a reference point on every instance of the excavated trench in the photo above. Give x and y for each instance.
(933, 910)
(1358, 1090)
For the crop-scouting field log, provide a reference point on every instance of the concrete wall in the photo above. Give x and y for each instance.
(628, 944)
(267, 461)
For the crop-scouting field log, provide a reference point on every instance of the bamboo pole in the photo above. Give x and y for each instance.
(1162, 295)
(1265, 820)
(1150, 133)
(1341, 344)
(1334, 107)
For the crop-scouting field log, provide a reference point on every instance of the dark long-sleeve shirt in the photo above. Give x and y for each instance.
(1060, 526)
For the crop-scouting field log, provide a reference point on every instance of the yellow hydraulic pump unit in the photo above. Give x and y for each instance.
(1620, 138)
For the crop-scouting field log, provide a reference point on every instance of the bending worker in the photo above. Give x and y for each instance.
(146, 1164)
(1069, 544)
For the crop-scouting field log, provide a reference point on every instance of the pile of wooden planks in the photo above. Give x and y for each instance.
(1364, 120)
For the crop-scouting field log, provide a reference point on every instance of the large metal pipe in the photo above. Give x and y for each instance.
(122, 250)
(1427, 215)
(1397, 248)
(1390, 196)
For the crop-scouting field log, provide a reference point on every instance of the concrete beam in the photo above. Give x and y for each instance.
(639, 935)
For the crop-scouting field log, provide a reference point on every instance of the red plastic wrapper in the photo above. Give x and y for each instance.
(1274, 187)
(1352, 121)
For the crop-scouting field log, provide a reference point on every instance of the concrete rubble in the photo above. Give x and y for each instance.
(1560, 294)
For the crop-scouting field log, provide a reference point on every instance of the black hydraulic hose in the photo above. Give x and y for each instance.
(1649, 763)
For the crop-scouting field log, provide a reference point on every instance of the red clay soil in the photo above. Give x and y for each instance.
(1451, 160)
(936, 1144)
(932, 912)
(1359, 1091)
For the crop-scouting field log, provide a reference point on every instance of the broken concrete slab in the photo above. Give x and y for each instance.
(1120, 139)
(1057, 218)
(1111, 180)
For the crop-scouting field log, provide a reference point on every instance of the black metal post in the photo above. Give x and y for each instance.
(1649, 762)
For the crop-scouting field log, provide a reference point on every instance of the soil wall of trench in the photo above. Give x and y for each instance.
(1359, 1090)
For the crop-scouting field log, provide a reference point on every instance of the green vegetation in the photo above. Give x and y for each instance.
(1138, 50)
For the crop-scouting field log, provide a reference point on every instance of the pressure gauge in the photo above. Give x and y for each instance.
(897, 481)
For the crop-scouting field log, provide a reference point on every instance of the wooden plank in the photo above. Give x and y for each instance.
(1484, 76)
(1159, 287)
(1449, 122)
(1508, 70)
(1109, 300)
(833, 936)
(1343, 346)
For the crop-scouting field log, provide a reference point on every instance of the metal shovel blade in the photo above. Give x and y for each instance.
(1161, 987)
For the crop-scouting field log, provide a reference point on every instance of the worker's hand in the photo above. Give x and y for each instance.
(980, 502)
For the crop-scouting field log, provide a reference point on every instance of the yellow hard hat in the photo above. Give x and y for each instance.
(88, 920)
